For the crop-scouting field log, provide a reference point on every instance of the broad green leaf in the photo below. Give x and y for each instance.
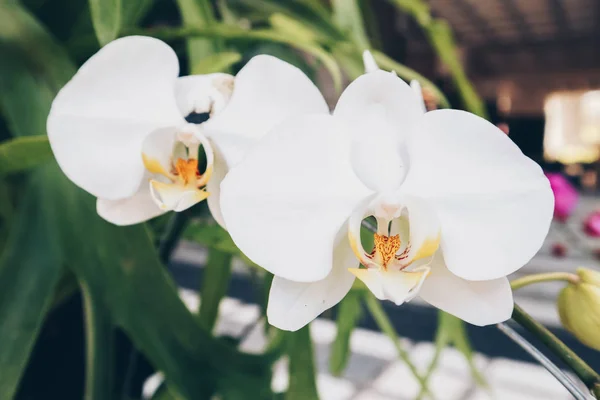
(106, 17)
(20, 154)
(348, 16)
(303, 384)
(215, 281)
(198, 14)
(33, 67)
(124, 268)
(219, 62)
(30, 268)
(348, 315)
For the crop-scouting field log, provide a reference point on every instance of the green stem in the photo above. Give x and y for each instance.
(386, 327)
(173, 232)
(587, 375)
(215, 281)
(99, 346)
(545, 277)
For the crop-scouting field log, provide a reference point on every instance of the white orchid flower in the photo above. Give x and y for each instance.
(118, 128)
(457, 205)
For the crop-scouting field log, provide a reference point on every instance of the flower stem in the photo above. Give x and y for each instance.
(546, 277)
(587, 375)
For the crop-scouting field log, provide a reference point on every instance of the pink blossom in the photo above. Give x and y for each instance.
(565, 196)
(591, 224)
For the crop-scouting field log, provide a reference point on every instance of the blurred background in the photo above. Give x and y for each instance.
(536, 65)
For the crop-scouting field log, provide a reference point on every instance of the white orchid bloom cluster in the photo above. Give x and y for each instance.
(457, 205)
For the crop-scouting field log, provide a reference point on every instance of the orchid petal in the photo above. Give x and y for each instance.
(285, 204)
(292, 305)
(396, 286)
(382, 110)
(174, 197)
(423, 228)
(135, 209)
(157, 151)
(494, 204)
(476, 302)
(266, 92)
(100, 118)
(369, 62)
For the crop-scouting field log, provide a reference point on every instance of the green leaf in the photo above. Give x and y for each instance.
(442, 40)
(123, 266)
(258, 35)
(303, 384)
(20, 154)
(418, 9)
(99, 346)
(134, 10)
(33, 67)
(215, 281)
(218, 62)
(30, 268)
(198, 14)
(288, 25)
(348, 16)
(106, 18)
(349, 314)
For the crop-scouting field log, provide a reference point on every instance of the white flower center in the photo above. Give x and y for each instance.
(391, 269)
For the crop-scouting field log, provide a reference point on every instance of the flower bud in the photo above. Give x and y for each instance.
(579, 307)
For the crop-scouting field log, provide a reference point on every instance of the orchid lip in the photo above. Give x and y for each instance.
(390, 269)
(180, 185)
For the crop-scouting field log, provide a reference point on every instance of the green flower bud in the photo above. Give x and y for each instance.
(579, 307)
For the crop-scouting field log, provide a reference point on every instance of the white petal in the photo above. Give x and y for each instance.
(157, 151)
(369, 62)
(174, 197)
(476, 302)
(382, 110)
(203, 93)
(285, 203)
(292, 305)
(213, 187)
(423, 227)
(396, 286)
(494, 204)
(135, 209)
(266, 92)
(416, 87)
(229, 150)
(100, 118)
